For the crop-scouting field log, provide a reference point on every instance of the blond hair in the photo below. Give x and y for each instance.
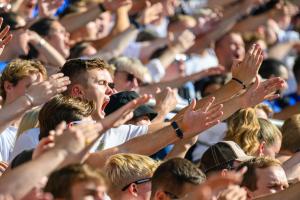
(123, 169)
(131, 66)
(18, 69)
(29, 120)
(291, 134)
(248, 131)
(243, 128)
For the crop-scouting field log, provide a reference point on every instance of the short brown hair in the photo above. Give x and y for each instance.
(250, 177)
(174, 173)
(19, 69)
(291, 134)
(76, 68)
(62, 108)
(61, 181)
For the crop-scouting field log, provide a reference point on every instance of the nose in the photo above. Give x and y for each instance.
(109, 91)
(134, 83)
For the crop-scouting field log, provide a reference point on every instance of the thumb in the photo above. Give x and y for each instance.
(192, 105)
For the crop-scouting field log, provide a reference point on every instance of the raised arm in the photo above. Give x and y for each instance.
(244, 71)
(205, 117)
(75, 21)
(36, 94)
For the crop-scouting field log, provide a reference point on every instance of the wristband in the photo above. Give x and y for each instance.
(29, 98)
(240, 82)
(102, 8)
(178, 131)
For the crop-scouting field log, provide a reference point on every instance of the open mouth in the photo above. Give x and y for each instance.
(105, 103)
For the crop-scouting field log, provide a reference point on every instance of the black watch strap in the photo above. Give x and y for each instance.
(178, 131)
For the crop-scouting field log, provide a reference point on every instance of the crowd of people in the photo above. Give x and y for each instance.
(149, 99)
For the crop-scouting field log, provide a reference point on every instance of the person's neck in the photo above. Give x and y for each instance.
(16, 121)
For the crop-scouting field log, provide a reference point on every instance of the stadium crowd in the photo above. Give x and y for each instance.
(149, 99)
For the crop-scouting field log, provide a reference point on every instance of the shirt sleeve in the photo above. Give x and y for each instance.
(156, 70)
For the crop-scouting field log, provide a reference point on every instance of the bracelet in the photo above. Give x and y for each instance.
(41, 43)
(102, 8)
(178, 131)
(29, 98)
(240, 82)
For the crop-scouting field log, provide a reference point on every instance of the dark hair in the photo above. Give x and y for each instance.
(75, 68)
(62, 108)
(10, 19)
(78, 48)
(270, 67)
(173, 174)
(296, 69)
(61, 181)
(202, 84)
(42, 26)
(158, 52)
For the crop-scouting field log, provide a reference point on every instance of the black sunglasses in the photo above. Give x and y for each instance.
(145, 180)
(171, 195)
(131, 77)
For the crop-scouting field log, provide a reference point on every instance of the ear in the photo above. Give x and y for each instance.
(261, 148)
(8, 86)
(160, 195)
(224, 172)
(133, 190)
(77, 91)
(249, 193)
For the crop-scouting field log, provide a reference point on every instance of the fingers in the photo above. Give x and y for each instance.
(192, 106)
(208, 104)
(56, 76)
(4, 32)
(6, 40)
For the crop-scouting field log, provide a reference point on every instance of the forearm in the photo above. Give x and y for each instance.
(218, 3)
(30, 173)
(250, 23)
(281, 50)
(144, 145)
(53, 57)
(122, 21)
(118, 44)
(292, 167)
(148, 48)
(75, 21)
(178, 151)
(287, 112)
(19, 107)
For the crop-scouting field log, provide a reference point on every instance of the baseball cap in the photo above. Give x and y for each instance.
(122, 98)
(220, 154)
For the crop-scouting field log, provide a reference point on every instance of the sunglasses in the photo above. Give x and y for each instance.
(74, 123)
(131, 77)
(171, 195)
(141, 181)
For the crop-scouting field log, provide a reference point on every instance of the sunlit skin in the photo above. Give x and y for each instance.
(270, 180)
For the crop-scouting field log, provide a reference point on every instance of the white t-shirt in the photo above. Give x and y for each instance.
(26, 141)
(111, 138)
(7, 142)
(208, 138)
(116, 136)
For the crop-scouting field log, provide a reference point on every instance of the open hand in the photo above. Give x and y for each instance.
(247, 70)
(196, 121)
(42, 92)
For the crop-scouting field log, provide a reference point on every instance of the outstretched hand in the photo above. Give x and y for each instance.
(247, 69)
(5, 36)
(261, 91)
(196, 121)
(43, 91)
